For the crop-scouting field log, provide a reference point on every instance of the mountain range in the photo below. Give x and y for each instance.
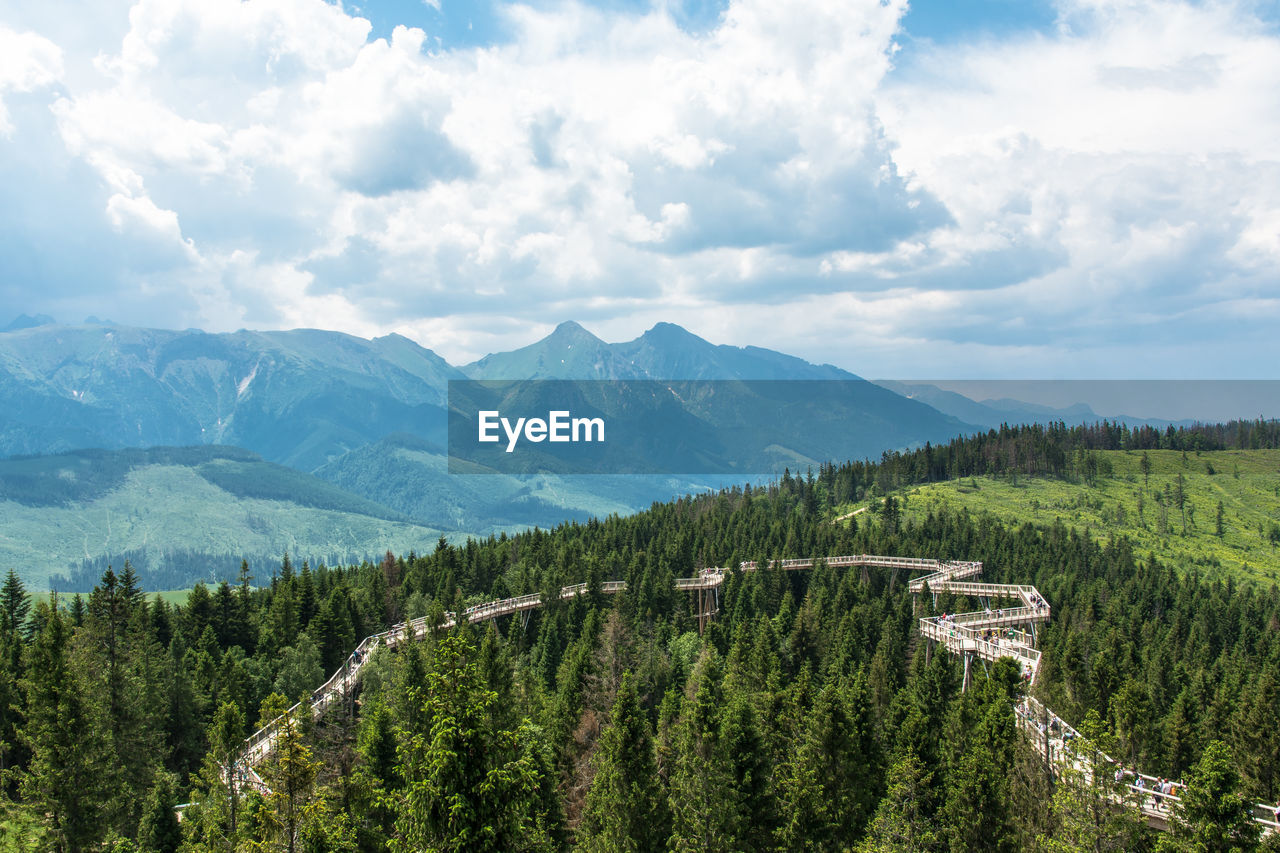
(342, 415)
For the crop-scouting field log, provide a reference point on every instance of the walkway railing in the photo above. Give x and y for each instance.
(985, 634)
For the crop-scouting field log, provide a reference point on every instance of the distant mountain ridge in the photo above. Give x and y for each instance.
(25, 321)
(666, 351)
(991, 413)
(299, 398)
(305, 397)
(332, 426)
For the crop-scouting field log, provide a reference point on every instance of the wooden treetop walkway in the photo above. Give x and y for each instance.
(986, 635)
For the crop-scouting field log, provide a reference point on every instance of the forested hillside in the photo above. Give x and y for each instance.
(806, 717)
(181, 513)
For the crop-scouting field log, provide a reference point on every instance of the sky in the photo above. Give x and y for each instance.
(953, 189)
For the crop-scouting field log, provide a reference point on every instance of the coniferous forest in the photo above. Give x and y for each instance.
(807, 716)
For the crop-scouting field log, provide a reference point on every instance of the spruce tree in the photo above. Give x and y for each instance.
(902, 822)
(1212, 816)
(751, 793)
(626, 808)
(975, 812)
(1084, 805)
(703, 812)
(15, 604)
(124, 670)
(159, 832)
(289, 772)
(68, 774)
(467, 785)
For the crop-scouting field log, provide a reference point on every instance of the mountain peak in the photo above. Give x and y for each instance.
(571, 330)
(670, 332)
(569, 352)
(24, 321)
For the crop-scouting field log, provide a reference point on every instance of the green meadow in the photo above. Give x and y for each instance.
(1170, 510)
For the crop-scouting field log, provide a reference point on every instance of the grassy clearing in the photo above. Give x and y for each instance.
(1122, 501)
(171, 596)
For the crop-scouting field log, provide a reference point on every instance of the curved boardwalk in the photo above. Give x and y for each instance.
(978, 637)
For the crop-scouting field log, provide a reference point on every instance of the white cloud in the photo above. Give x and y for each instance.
(1137, 147)
(27, 62)
(770, 180)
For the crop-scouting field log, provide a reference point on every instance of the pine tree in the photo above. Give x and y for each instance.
(66, 779)
(159, 832)
(703, 812)
(1212, 816)
(467, 785)
(122, 669)
(626, 809)
(902, 823)
(15, 604)
(1084, 803)
(289, 771)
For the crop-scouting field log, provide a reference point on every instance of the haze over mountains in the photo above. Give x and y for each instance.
(992, 412)
(343, 416)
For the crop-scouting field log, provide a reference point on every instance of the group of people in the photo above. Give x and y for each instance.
(1162, 789)
(995, 634)
(1159, 790)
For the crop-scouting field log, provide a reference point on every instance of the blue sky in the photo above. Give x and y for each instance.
(481, 23)
(962, 20)
(976, 188)
(478, 23)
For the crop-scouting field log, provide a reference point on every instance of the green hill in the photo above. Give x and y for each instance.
(1119, 499)
(202, 508)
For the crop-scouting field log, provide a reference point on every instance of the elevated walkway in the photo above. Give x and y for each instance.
(981, 635)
